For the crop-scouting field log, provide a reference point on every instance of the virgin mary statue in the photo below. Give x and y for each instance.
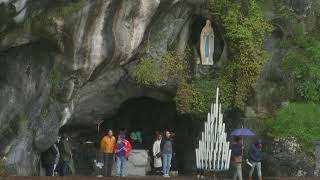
(207, 44)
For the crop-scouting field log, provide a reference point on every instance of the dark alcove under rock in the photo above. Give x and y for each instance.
(146, 115)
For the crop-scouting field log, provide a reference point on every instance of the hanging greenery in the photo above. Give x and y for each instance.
(302, 63)
(244, 29)
(245, 34)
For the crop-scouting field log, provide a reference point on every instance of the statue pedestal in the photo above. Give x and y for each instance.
(138, 163)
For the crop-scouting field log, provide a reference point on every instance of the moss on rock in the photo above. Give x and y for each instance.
(153, 72)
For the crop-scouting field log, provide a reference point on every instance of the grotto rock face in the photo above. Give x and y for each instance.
(273, 90)
(71, 66)
(71, 63)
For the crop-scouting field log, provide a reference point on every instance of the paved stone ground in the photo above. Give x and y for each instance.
(130, 178)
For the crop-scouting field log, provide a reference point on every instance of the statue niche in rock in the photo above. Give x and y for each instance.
(207, 44)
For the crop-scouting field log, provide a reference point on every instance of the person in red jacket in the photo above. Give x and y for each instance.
(122, 150)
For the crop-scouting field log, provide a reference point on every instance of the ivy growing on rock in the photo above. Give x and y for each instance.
(244, 29)
(151, 72)
(245, 33)
(302, 64)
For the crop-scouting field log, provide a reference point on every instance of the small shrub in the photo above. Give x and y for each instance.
(195, 97)
(299, 120)
(148, 72)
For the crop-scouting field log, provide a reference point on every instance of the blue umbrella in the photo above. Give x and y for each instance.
(242, 132)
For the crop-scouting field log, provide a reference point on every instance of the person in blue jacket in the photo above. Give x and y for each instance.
(255, 157)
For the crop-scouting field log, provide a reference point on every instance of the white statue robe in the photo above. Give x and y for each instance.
(207, 45)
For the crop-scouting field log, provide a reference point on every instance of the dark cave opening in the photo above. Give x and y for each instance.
(146, 115)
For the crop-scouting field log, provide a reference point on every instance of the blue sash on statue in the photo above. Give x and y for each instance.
(206, 46)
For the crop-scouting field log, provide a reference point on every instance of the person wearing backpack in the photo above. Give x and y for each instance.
(255, 157)
(50, 159)
(166, 150)
(65, 149)
(122, 150)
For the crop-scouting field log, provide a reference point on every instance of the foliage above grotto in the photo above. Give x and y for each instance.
(245, 33)
(245, 29)
(151, 71)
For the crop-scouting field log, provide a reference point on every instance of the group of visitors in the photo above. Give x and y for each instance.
(254, 158)
(121, 148)
(58, 158)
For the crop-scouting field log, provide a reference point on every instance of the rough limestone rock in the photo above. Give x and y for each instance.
(286, 158)
(62, 63)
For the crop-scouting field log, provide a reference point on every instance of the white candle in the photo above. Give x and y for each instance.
(210, 160)
(217, 95)
(197, 158)
(229, 156)
(214, 158)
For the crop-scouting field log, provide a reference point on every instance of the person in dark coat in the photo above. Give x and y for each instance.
(65, 150)
(174, 165)
(166, 147)
(255, 157)
(50, 159)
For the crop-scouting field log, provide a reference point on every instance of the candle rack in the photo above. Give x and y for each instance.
(213, 153)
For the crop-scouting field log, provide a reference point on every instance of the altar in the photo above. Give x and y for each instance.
(138, 163)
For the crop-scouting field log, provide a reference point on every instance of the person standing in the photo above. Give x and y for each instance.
(174, 165)
(166, 150)
(133, 140)
(237, 150)
(107, 145)
(65, 157)
(50, 159)
(157, 161)
(122, 150)
(255, 157)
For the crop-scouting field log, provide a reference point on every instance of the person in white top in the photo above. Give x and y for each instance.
(157, 163)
